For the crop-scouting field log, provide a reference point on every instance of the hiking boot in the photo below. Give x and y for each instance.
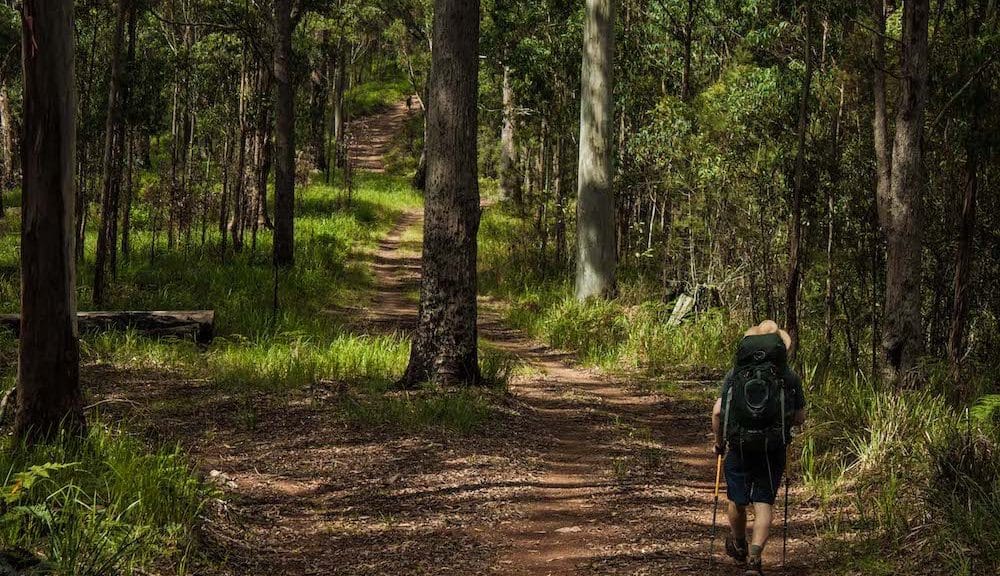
(753, 567)
(736, 549)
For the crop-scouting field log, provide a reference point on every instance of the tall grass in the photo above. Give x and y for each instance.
(99, 505)
(630, 332)
(919, 474)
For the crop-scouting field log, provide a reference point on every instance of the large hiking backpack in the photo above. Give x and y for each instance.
(754, 406)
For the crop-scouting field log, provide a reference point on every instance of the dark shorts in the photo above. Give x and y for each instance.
(754, 478)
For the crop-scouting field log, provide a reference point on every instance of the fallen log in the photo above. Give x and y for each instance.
(199, 325)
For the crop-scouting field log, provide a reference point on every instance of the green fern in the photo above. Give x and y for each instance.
(986, 408)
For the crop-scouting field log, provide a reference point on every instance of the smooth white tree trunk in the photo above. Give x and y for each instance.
(595, 264)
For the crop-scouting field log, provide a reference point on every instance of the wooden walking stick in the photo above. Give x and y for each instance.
(715, 509)
(718, 476)
(784, 537)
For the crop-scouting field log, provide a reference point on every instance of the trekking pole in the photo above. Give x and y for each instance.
(715, 510)
(784, 537)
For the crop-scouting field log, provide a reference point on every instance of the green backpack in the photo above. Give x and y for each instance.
(754, 407)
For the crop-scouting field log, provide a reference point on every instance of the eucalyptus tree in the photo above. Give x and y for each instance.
(444, 347)
(899, 198)
(48, 384)
(596, 251)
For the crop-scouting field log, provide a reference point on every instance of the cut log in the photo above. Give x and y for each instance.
(199, 325)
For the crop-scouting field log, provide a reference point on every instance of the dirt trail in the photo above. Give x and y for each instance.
(624, 476)
(577, 473)
(370, 137)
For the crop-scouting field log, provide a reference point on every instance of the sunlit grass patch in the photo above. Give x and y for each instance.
(103, 504)
(461, 411)
(373, 96)
(374, 361)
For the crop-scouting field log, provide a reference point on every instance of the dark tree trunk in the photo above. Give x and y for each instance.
(284, 138)
(967, 225)
(835, 177)
(262, 159)
(48, 386)
(129, 135)
(114, 137)
(339, 79)
(688, 39)
(795, 231)
(880, 121)
(444, 346)
(596, 247)
(317, 104)
(901, 341)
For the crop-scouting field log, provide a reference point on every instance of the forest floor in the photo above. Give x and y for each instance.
(576, 472)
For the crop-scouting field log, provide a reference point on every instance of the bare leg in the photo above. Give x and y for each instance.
(737, 520)
(761, 523)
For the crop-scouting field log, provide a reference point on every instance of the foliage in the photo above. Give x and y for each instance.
(103, 504)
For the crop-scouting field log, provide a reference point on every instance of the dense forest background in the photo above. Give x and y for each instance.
(832, 165)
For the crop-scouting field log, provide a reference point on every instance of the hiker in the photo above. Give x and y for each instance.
(409, 102)
(752, 430)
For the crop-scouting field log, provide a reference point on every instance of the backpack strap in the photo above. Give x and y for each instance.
(784, 440)
(725, 417)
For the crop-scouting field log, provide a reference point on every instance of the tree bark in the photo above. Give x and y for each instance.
(509, 185)
(113, 152)
(595, 269)
(901, 329)
(444, 346)
(559, 187)
(284, 139)
(795, 226)
(339, 78)
(262, 159)
(317, 109)
(880, 121)
(967, 225)
(48, 386)
(6, 140)
(835, 177)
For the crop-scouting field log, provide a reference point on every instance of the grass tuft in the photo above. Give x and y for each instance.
(101, 504)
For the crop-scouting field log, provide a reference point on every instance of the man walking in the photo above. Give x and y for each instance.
(760, 400)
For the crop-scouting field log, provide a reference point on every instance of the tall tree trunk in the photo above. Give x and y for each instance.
(317, 104)
(339, 79)
(262, 161)
(595, 268)
(444, 346)
(48, 386)
(559, 189)
(835, 177)
(129, 135)
(967, 224)
(284, 140)
(688, 37)
(901, 330)
(880, 121)
(509, 185)
(6, 140)
(795, 226)
(113, 148)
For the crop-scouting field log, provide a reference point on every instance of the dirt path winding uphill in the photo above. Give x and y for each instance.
(622, 479)
(369, 138)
